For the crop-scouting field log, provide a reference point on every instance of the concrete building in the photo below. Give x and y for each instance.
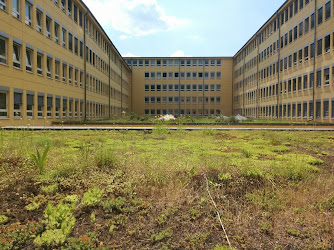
(181, 86)
(51, 70)
(58, 64)
(286, 69)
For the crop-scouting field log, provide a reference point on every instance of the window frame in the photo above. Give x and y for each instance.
(17, 61)
(29, 55)
(5, 110)
(4, 57)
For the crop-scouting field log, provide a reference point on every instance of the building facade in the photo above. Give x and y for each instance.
(181, 86)
(286, 69)
(57, 63)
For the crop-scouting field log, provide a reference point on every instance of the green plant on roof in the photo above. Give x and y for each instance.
(40, 160)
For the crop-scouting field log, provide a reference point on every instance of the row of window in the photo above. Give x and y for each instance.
(182, 87)
(297, 31)
(182, 75)
(55, 68)
(304, 81)
(182, 100)
(40, 105)
(174, 62)
(323, 109)
(188, 112)
(284, 16)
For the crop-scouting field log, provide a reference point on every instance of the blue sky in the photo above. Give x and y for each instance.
(164, 28)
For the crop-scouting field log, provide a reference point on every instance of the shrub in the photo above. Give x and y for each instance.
(92, 197)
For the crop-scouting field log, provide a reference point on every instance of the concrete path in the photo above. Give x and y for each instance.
(275, 128)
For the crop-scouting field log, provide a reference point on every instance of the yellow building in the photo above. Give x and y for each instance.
(51, 70)
(286, 70)
(58, 64)
(181, 86)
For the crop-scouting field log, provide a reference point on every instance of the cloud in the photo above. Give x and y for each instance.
(134, 17)
(179, 53)
(129, 54)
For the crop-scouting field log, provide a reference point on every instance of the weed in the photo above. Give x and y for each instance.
(247, 153)
(293, 232)
(194, 213)
(165, 234)
(265, 227)
(224, 176)
(92, 197)
(92, 218)
(40, 160)
(3, 219)
(121, 219)
(51, 189)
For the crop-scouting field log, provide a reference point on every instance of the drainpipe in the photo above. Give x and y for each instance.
(121, 87)
(232, 86)
(179, 87)
(203, 87)
(243, 83)
(109, 114)
(314, 61)
(85, 67)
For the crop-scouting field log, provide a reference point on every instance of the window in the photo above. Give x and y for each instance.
(39, 16)
(56, 33)
(64, 72)
(158, 75)
(80, 80)
(152, 62)
(152, 87)
(39, 64)
(158, 63)
(28, 14)
(327, 43)
(29, 54)
(69, 7)
(70, 41)
(3, 51)
(40, 102)
(218, 62)
(70, 75)
(80, 18)
(295, 33)
(311, 80)
(306, 24)
(301, 3)
(328, 10)
(48, 27)
(200, 87)
(306, 53)
(81, 49)
(218, 87)
(200, 62)
(164, 87)
(319, 52)
(305, 109)
(3, 7)
(182, 87)
(76, 45)
(320, 17)
(300, 55)
(218, 75)
(152, 75)
(326, 108)
(16, 8)
(312, 20)
(48, 67)
(62, 5)
(3, 105)
(188, 63)
(64, 37)
(194, 75)
(16, 55)
(194, 87)
(319, 78)
(301, 25)
(206, 87)
(312, 50)
(30, 104)
(318, 109)
(194, 62)
(311, 107)
(17, 104)
(305, 81)
(75, 13)
(57, 68)
(146, 98)
(296, 6)
(326, 76)
(147, 75)
(64, 106)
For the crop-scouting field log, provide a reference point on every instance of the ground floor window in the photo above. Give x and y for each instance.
(40, 106)
(30, 104)
(49, 107)
(3, 104)
(17, 104)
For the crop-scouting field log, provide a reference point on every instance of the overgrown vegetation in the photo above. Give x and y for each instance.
(146, 189)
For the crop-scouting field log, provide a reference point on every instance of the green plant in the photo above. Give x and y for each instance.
(40, 160)
(51, 189)
(224, 176)
(3, 219)
(113, 205)
(165, 234)
(32, 206)
(92, 197)
(72, 198)
(106, 159)
(92, 218)
(59, 222)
